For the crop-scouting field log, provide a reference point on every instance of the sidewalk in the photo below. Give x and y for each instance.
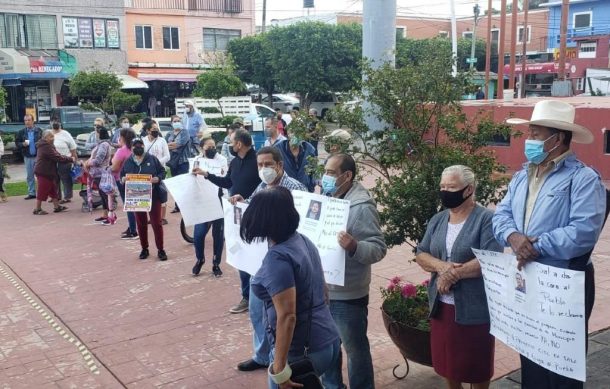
(148, 324)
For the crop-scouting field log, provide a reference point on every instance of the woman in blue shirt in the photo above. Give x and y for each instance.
(291, 284)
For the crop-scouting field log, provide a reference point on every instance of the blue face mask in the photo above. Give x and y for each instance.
(329, 184)
(177, 125)
(534, 150)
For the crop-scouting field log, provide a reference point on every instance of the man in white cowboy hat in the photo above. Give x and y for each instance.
(553, 211)
(193, 121)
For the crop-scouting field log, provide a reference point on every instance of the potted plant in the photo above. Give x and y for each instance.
(405, 314)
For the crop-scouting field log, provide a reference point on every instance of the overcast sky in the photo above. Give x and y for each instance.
(280, 9)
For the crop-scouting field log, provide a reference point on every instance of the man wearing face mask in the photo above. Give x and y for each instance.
(178, 143)
(193, 121)
(271, 173)
(241, 178)
(553, 211)
(364, 245)
(295, 153)
(272, 133)
(123, 124)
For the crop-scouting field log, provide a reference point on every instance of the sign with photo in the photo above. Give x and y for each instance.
(70, 28)
(99, 33)
(112, 34)
(85, 33)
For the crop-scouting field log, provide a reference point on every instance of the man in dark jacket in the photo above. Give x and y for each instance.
(242, 178)
(45, 168)
(26, 140)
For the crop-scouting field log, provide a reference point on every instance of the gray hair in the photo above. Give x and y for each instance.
(464, 172)
(47, 133)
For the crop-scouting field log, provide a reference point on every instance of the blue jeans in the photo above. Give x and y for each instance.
(29, 169)
(322, 361)
(260, 342)
(131, 217)
(244, 279)
(201, 230)
(351, 319)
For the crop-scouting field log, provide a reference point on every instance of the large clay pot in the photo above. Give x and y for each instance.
(413, 343)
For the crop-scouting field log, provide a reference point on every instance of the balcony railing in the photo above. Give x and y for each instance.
(584, 32)
(226, 6)
(223, 6)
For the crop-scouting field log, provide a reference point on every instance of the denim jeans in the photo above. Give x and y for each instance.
(131, 217)
(244, 279)
(29, 169)
(260, 341)
(322, 361)
(201, 230)
(65, 178)
(351, 319)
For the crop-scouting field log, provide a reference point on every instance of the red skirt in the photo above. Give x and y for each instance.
(462, 353)
(46, 188)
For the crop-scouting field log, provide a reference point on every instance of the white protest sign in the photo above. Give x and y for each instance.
(138, 193)
(196, 197)
(322, 218)
(243, 256)
(210, 165)
(538, 311)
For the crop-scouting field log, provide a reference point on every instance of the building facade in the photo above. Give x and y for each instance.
(170, 42)
(588, 37)
(41, 47)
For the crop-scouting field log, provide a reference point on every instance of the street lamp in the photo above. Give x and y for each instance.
(476, 11)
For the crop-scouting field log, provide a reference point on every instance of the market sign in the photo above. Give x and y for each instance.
(99, 32)
(46, 65)
(537, 68)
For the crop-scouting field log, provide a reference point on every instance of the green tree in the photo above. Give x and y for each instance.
(94, 86)
(314, 58)
(252, 57)
(218, 83)
(415, 51)
(119, 101)
(2, 104)
(429, 133)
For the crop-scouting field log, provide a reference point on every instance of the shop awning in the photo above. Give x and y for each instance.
(12, 62)
(130, 82)
(15, 65)
(168, 77)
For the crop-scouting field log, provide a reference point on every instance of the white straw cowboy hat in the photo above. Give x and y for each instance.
(559, 115)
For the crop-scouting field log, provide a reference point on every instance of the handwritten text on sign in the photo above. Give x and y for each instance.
(538, 311)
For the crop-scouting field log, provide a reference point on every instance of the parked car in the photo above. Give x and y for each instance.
(77, 121)
(283, 102)
(324, 103)
(255, 123)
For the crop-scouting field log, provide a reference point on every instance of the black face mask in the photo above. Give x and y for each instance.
(210, 153)
(233, 152)
(453, 199)
(139, 151)
(154, 134)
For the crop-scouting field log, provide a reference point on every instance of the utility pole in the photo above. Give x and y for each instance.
(488, 50)
(264, 15)
(513, 44)
(501, 39)
(453, 37)
(476, 11)
(524, 50)
(565, 8)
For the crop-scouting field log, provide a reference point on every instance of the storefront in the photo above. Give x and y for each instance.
(165, 85)
(539, 77)
(33, 81)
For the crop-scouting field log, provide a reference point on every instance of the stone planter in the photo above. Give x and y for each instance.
(413, 343)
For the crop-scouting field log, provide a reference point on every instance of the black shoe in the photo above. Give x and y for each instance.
(216, 270)
(162, 255)
(144, 254)
(250, 365)
(197, 267)
(29, 197)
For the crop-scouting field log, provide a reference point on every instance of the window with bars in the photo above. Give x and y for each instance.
(217, 39)
(28, 31)
(522, 31)
(587, 49)
(144, 37)
(171, 38)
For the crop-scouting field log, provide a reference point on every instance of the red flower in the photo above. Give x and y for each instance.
(426, 283)
(395, 280)
(408, 290)
(391, 287)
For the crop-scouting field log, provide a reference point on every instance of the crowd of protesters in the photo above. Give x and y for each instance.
(292, 310)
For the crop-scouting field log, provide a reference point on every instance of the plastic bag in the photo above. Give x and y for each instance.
(107, 183)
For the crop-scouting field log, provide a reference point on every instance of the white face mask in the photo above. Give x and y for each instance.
(267, 175)
(125, 126)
